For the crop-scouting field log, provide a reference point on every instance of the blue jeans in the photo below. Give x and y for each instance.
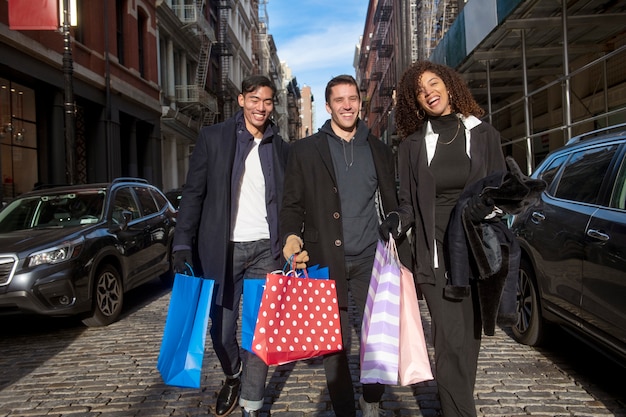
(249, 260)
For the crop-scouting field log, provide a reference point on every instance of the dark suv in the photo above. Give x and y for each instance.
(75, 250)
(573, 268)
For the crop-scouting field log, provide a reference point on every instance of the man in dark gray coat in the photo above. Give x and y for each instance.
(230, 207)
(337, 183)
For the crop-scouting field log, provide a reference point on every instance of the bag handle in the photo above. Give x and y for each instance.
(190, 269)
(292, 265)
(392, 248)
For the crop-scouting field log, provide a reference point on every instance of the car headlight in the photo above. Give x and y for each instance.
(56, 254)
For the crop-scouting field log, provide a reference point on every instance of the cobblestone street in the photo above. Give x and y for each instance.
(60, 368)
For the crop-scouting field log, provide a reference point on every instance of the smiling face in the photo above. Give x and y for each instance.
(257, 108)
(432, 95)
(343, 105)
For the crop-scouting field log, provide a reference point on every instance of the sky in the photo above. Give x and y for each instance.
(317, 39)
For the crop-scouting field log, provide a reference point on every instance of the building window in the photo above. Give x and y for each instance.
(141, 35)
(18, 138)
(79, 31)
(119, 29)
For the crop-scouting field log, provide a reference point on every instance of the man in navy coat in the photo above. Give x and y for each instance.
(229, 208)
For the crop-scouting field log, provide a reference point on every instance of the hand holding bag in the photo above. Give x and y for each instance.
(184, 335)
(298, 319)
(381, 319)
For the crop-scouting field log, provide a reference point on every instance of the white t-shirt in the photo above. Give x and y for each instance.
(251, 220)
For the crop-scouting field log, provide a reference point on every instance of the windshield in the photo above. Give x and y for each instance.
(53, 210)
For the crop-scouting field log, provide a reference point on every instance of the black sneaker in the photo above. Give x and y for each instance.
(228, 397)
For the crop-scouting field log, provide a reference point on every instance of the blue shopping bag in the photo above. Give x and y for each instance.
(252, 293)
(316, 271)
(184, 336)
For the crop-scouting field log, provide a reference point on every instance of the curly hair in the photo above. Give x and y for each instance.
(407, 107)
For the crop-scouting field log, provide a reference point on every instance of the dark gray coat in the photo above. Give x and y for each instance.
(311, 203)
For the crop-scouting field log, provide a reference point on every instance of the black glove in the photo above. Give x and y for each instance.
(390, 226)
(182, 262)
(479, 207)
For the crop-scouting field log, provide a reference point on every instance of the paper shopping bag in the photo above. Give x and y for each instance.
(414, 363)
(316, 271)
(184, 335)
(252, 293)
(298, 319)
(381, 319)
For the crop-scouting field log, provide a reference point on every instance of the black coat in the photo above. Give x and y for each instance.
(417, 188)
(488, 252)
(311, 205)
(205, 211)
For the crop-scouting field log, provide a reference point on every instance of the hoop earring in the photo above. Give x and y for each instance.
(421, 114)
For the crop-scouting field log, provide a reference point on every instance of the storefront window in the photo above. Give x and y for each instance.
(18, 138)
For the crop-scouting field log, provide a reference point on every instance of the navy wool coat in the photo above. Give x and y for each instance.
(204, 217)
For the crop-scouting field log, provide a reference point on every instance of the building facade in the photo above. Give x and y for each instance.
(188, 79)
(543, 71)
(376, 64)
(146, 75)
(307, 112)
(207, 48)
(114, 78)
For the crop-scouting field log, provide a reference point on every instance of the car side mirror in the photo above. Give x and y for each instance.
(127, 216)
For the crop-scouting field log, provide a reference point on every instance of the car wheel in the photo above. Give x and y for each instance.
(529, 327)
(108, 297)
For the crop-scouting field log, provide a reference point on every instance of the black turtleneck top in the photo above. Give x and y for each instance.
(450, 167)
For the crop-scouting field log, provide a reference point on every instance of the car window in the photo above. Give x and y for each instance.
(66, 209)
(159, 198)
(583, 174)
(618, 196)
(148, 205)
(124, 200)
(551, 170)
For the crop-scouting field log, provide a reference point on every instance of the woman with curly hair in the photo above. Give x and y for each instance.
(444, 148)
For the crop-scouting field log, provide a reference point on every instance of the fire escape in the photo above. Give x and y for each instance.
(261, 44)
(225, 55)
(382, 73)
(435, 17)
(194, 98)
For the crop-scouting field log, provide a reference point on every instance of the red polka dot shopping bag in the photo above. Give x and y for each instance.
(298, 319)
